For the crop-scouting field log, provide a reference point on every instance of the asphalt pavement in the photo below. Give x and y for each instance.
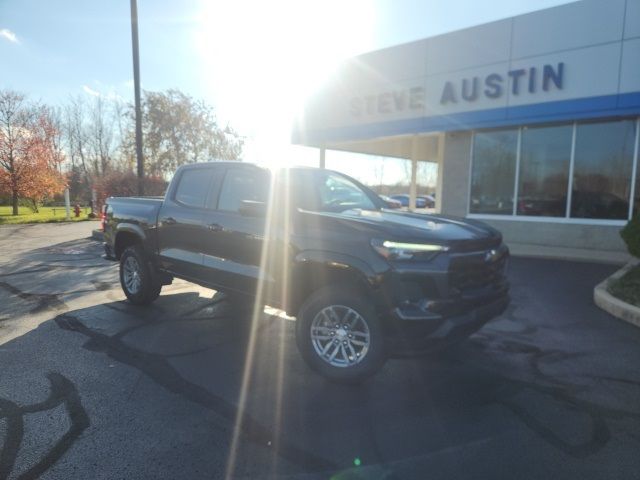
(94, 388)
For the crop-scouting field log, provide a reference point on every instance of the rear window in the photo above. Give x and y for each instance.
(193, 187)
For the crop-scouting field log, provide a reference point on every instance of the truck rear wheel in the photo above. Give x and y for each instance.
(340, 336)
(137, 278)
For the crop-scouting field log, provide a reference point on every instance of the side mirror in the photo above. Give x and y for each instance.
(251, 208)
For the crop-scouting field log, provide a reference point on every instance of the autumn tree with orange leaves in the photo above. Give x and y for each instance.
(30, 151)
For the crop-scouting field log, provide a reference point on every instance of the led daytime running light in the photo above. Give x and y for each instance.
(415, 247)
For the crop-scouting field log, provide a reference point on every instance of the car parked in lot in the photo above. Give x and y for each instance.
(404, 200)
(365, 282)
(430, 200)
(391, 202)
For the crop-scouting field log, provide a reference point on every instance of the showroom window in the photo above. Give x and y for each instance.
(579, 171)
(602, 169)
(544, 171)
(494, 166)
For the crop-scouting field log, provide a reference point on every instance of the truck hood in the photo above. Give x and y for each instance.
(416, 227)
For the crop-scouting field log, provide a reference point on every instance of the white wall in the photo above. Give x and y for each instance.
(597, 40)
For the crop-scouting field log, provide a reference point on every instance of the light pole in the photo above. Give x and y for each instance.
(136, 88)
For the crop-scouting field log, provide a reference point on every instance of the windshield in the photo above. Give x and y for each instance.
(325, 191)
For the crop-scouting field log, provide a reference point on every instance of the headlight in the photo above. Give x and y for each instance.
(407, 251)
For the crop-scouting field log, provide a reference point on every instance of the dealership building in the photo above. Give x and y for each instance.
(533, 122)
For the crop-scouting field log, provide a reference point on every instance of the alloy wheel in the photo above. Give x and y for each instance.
(340, 336)
(131, 275)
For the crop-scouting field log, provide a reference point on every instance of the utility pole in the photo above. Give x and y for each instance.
(136, 87)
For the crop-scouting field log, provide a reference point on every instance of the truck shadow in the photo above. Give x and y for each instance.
(62, 393)
(265, 399)
(43, 276)
(198, 349)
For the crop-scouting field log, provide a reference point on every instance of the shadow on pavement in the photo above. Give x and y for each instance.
(157, 392)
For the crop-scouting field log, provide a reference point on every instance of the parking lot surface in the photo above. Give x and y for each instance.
(92, 387)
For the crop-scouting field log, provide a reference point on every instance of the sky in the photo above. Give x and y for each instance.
(253, 61)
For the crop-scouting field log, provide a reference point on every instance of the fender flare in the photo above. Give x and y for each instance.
(338, 261)
(129, 228)
(369, 279)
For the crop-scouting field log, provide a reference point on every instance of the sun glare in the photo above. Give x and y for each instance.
(260, 60)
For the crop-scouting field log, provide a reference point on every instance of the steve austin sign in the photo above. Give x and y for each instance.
(469, 89)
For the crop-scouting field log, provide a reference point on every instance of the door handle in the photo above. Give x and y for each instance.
(169, 221)
(214, 227)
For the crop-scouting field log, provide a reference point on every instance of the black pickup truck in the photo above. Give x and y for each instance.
(365, 282)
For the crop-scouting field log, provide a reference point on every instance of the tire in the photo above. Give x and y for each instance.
(137, 277)
(356, 356)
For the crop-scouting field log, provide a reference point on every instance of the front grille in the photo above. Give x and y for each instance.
(474, 271)
(476, 245)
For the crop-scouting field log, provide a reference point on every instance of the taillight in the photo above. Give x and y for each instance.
(103, 218)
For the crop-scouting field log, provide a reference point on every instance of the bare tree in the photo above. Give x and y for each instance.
(92, 142)
(426, 174)
(76, 134)
(178, 130)
(125, 156)
(100, 136)
(378, 172)
(57, 143)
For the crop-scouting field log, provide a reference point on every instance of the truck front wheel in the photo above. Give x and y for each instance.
(339, 335)
(137, 278)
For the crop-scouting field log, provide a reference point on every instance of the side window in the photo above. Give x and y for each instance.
(193, 187)
(243, 184)
(339, 193)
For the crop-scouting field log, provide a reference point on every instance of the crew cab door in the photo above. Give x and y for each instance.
(180, 239)
(236, 236)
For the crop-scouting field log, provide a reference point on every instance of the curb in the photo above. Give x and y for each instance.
(97, 235)
(614, 306)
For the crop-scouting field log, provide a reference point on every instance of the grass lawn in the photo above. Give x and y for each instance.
(45, 215)
(627, 287)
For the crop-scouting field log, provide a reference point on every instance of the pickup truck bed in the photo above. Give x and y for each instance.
(140, 212)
